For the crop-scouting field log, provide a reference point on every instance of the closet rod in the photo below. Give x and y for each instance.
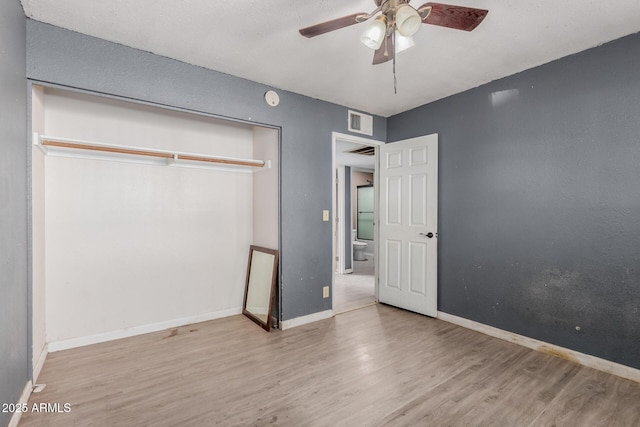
(254, 163)
(106, 149)
(160, 154)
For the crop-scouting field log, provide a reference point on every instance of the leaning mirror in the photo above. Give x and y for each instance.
(261, 285)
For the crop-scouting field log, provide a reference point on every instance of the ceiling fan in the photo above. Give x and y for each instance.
(391, 31)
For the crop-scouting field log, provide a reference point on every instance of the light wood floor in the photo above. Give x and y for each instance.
(355, 290)
(377, 366)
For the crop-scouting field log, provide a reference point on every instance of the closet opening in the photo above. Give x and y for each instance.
(145, 232)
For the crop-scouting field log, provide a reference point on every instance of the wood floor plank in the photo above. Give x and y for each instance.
(594, 396)
(504, 389)
(373, 366)
(355, 290)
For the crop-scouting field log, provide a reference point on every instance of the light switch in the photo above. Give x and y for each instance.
(325, 292)
(325, 215)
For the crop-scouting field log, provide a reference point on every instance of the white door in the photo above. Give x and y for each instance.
(409, 224)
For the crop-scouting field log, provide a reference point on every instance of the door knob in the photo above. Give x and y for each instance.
(429, 234)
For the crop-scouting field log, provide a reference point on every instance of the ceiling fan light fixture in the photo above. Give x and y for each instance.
(403, 43)
(373, 36)
(407, 20)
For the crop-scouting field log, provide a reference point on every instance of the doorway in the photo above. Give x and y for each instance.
(355, 163)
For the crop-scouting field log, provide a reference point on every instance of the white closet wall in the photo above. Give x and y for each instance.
(265, 189)
(137, 246)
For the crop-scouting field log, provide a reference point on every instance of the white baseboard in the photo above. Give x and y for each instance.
(37, 367)
(24, 398)
(303, 320)
(139, 330)
(552, 349)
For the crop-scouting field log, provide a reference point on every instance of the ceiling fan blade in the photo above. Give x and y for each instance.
(334, 24)
(385, 52)
(456, 17)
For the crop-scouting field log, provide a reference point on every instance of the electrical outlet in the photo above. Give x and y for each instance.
(325, 292)
(325, 215)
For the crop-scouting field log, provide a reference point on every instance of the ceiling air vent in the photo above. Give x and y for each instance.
(360, 123)
(365, 151)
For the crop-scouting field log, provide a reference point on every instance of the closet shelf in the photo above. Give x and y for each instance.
(45, 143)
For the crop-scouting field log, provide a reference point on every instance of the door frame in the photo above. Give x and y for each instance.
(340, 235)
(337, 232)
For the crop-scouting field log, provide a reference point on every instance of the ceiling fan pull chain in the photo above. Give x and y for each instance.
(395, 80)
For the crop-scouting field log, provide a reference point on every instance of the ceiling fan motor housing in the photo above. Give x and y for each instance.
(391, 6)
(400, 16)
(390, 3)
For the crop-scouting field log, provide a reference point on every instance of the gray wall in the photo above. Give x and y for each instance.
(539, 200)
(67, 58)
(14, 357)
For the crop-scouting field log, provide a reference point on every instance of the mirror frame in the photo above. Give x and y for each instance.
(266, 326)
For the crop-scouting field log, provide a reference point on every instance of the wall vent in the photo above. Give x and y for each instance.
(360, 123)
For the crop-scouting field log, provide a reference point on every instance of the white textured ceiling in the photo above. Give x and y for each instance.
(259, 40)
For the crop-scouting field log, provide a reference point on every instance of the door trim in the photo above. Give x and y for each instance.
(340, 234)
